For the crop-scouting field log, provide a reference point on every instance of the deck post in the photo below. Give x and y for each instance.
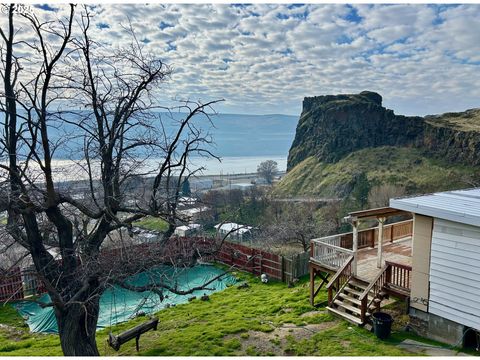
(312, 285)
(381, 221)
(355, 225)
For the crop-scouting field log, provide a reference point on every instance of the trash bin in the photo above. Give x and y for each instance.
(382, 324)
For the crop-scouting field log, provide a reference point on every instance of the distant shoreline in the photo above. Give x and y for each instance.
(74, 170)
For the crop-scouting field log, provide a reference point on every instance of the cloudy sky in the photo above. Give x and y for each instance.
(261, 59)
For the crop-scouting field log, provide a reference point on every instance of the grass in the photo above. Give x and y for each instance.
(235, 321)
(406, 167)
(465, 121)
(151, 223)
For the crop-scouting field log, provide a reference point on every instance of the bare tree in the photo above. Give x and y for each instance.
(267, 169)
(295, 224)
(380, 195)
(118, 129)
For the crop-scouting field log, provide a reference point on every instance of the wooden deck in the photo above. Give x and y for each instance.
(399, 251)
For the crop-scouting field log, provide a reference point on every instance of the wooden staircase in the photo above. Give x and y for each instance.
(355, 300)
(348, 303)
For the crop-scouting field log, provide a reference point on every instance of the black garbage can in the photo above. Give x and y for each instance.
(382, 324)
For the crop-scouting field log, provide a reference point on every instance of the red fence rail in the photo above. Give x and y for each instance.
(11, 285)
(253, 260)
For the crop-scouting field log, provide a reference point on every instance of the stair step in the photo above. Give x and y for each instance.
(358, 283)
(353, 309)
(352, 291)
(351, 318)
(356, 292)
(345, 297)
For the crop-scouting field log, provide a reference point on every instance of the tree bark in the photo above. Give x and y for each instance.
(77, 324)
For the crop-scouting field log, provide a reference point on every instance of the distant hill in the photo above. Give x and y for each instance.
(341, 136)
(233, 135)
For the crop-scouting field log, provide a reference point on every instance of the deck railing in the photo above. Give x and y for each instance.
(329, 252)
(333, 251)
(400, 275)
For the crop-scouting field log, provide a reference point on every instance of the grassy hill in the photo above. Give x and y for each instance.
(262, 319)
(403, 166)
(468, 120)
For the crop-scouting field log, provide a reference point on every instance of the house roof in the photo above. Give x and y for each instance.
(188, 227)
(375, 213)
(233, 226)
(462, 206)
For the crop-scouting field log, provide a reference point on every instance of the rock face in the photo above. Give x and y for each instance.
(333, 126)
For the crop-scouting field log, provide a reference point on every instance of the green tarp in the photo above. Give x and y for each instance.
(118, 304)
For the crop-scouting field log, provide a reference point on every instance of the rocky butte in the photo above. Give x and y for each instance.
(333, 126)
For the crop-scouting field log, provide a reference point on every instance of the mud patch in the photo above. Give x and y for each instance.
(11, 333)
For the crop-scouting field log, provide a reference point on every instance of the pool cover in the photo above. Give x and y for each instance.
(118, 304)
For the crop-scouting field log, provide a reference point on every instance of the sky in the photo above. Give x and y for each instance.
(265, 58)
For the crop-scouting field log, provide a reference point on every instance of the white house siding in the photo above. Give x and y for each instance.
(455, 272)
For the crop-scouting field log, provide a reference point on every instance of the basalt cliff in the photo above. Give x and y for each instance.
(338, 136)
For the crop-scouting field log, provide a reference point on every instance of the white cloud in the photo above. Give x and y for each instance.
(265, 58)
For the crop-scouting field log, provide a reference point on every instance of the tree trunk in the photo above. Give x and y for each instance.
(77, 324)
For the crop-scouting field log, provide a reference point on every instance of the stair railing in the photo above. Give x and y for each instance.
(377, 284)
(339, 280)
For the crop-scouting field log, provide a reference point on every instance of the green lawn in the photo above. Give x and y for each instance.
(263, 319)
(151, 223)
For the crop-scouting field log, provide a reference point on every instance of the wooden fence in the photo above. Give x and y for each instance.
(17, 283)
(11, 285)
(258, 262)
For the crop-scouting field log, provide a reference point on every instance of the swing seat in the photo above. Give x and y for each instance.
(134, 333)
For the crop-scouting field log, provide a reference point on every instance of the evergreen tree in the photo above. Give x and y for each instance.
(361, 190)
(186, 191)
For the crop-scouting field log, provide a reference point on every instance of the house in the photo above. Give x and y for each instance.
(234, 231)
(193, 214)
(431, 258)
(186, 201)
(187, 230)
(241, 186)
(445, 284)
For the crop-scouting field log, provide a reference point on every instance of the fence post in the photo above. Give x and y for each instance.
(283, 269)
(294, 266)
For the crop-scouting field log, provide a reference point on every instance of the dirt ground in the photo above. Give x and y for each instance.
(273, 343)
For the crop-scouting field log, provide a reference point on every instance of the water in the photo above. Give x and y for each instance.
(242, 141)
(68, 170)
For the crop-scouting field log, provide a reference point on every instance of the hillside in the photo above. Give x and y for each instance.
(339, 137)
(402, 166)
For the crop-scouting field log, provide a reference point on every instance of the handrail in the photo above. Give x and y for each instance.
(373, 282)
(340, 280)
(377, 285)
(326, 238)
(339, 272)
(391, 274)
(338, 248)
